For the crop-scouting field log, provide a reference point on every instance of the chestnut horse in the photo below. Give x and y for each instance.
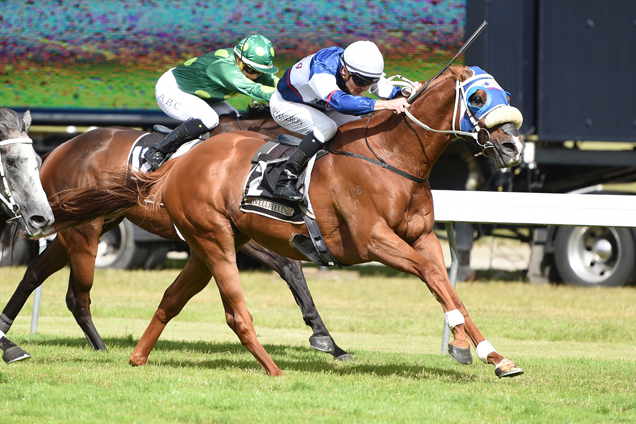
(389, 220)
(22, 198)
(82, 161)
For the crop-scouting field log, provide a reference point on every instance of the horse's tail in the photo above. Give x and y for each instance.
(111, 197)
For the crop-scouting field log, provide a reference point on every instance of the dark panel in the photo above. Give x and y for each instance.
(587, 62)
(506, 49)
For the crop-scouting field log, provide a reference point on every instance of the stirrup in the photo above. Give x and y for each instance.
(287, 192)
(154, 158)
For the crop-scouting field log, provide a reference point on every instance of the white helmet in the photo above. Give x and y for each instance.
(364, 58)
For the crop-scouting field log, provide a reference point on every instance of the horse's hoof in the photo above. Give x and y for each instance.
(322, 343)
(507, 368)
(137, 362)
(345, 358)
(14, 354)
(460, 354)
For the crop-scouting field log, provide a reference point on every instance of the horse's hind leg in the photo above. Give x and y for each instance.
(11, 351)
(292, 273)
(192, 279)
(82, 249)
(237, 316)
(49, 262)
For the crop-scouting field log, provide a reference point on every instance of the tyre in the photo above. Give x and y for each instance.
(595, 256)
(118, 250)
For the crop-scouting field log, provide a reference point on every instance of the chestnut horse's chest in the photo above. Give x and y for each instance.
(366, 201)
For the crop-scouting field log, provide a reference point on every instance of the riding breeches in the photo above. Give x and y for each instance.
(303, 119)
(183, 106)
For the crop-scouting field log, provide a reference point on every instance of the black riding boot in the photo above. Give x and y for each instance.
(286, 185)
(187, 131)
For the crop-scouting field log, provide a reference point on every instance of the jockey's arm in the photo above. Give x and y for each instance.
(233, 79)
(397, 102)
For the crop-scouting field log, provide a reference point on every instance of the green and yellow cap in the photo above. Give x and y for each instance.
(257, 52)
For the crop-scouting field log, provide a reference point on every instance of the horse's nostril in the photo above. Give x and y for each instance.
(509, 149)
(38, 221)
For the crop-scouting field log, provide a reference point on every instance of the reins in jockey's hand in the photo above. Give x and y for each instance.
(479, 128)
(413, 95)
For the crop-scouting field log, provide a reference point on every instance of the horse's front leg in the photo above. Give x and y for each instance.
(292, 273)
(428, 246)
(49, 262)
(426, 260)
(386, 247)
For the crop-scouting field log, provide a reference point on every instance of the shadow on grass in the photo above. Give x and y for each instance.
(381, 271)
(235, 356)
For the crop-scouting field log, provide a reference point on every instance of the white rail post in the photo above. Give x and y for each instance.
(43, 243)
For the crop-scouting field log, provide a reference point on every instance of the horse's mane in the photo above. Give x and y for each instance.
(10, 120)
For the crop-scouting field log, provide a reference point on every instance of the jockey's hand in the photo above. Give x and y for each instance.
(398, 104)
(416, 86)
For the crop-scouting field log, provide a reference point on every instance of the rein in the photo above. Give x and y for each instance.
(460, 96)
(380, 161)
(478, 125)
(6, 197)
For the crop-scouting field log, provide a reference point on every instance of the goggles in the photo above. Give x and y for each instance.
(247, 68)
(362, 81)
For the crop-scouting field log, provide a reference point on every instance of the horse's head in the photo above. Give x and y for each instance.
(486, 116)
(22, 196)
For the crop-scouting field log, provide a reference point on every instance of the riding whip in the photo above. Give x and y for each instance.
(468, 42)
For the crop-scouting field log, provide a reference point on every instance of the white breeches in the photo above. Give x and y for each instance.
(303, 119)
(183, 106)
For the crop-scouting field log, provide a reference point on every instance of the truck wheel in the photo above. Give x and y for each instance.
(118, 250)
(595, 256)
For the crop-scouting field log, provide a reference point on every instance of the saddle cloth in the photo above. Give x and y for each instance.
(267, 165)
(136, 160)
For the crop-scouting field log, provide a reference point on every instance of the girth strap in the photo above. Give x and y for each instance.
(314, 246)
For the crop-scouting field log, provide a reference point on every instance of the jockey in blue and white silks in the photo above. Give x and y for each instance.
(322, 92)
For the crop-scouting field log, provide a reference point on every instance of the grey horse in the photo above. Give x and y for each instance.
(22, 197)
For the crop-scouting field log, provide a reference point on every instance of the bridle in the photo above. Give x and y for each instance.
(460, 97)
(6, 196)
(479, 134)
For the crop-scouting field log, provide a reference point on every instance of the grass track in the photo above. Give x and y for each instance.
(576, 345)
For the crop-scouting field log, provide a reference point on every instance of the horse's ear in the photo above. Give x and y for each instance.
(26, 118)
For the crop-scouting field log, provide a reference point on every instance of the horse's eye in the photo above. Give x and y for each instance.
(11, 162)
(477, 100)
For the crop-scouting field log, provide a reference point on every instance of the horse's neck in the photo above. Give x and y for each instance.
(406, 145)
